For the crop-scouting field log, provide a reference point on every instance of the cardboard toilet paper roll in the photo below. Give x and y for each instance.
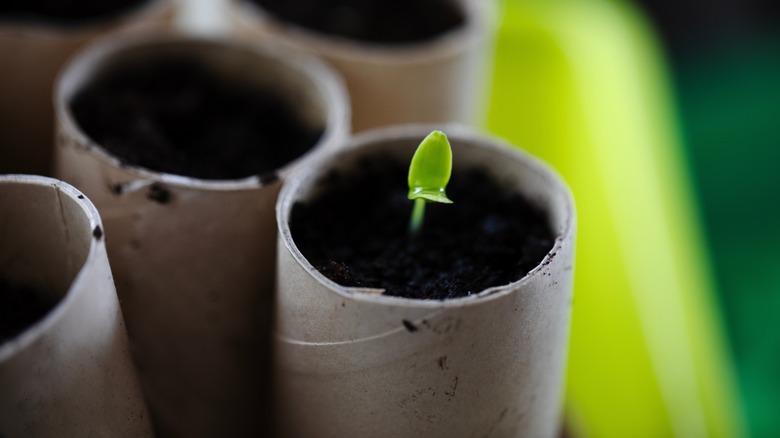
(32, 51)
(351, 362)
(69, 373)
(194, 259)
(438, 80)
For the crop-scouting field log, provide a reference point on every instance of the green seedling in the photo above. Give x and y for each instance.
(429, 174)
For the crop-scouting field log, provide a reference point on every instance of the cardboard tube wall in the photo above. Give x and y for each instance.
(31, 55)
(441, 80)
(195, 273)
(70, 373)
(347, 363)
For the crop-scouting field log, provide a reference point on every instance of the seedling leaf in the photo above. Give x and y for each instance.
(429, 174)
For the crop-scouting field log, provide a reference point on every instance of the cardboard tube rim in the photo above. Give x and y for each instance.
(42, 28)
(39, 328)
(88, 61)
(301, 176)
(480, 18)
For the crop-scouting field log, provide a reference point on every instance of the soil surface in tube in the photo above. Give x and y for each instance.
(377, 21)
(176, 115)
(20, 307)
(65, 11)
(356, 232)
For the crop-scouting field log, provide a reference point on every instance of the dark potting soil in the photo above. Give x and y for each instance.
(65, 10)
(20, 307)
(177, 116)
(356, 233)
(380, 21)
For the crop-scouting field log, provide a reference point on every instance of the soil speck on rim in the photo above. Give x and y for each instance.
(20, 307)
(80, 197)
(159, 194)
(178, 115)
(379, 21)
(451, 393)
(97, 233)
(269, 178)
(409, 326)
(356, 233)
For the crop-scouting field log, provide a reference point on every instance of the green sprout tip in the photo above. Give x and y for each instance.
(429, 174)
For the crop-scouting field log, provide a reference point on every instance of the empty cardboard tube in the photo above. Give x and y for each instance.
(434, 81)
(351, 362)
(195, 268)
(32, 53)
(70, 373)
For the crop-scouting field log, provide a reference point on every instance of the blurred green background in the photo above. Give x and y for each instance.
(663, 117)
(725, 62)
